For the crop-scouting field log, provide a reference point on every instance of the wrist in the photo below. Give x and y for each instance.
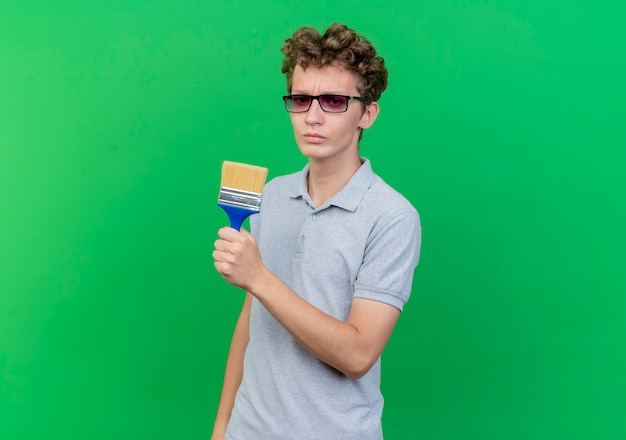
(263, 285)
(219, 430)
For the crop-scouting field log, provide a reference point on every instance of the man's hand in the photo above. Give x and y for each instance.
(237, 258)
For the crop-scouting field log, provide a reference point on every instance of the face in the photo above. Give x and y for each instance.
(323, 136)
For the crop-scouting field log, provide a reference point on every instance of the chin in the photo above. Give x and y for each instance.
(310, 149)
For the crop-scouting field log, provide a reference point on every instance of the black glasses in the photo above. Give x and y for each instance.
(328, 103)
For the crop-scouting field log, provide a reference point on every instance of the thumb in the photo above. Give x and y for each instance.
(247, 235)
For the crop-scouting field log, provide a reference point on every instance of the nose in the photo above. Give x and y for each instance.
(315, 115)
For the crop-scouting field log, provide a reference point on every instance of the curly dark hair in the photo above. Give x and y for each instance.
(338, 46)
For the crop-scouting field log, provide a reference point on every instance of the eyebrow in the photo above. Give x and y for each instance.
(297, 92)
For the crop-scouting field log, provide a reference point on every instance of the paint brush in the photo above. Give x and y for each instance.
(241, 191)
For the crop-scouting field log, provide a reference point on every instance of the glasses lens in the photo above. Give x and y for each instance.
(298, 103)
(334, 103)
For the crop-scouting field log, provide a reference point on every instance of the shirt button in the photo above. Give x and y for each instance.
(312, 216)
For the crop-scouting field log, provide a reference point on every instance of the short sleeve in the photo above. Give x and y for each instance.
(389, 261)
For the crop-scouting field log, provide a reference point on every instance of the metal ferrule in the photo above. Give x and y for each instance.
(239, 197)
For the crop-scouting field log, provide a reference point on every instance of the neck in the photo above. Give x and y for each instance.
(327, 179)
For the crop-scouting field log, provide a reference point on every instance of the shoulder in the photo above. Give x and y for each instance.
(384, 211)
(279, 194)
(382, 196)
(285, 183)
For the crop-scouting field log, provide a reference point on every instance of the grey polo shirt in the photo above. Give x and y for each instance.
(363, 243)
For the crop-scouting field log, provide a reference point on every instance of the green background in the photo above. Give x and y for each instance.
(504, 124)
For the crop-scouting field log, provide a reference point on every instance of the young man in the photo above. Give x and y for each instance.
(328, 266)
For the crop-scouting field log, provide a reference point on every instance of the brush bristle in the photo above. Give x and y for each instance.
(244, 177)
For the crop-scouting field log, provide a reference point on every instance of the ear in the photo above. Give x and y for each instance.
(369, 115)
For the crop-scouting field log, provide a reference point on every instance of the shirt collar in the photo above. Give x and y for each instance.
(351, 194)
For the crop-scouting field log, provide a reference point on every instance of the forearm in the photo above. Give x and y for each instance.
(339, 344)
(234, 370)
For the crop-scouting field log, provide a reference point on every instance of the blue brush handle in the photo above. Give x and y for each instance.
(236, 214)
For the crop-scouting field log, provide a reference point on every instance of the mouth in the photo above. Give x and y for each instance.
(313, 138)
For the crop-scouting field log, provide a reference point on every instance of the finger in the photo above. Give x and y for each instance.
(228, 234)
(231, 247)
(217, 255)
(222, 268)
(226, 255)
(221, 245)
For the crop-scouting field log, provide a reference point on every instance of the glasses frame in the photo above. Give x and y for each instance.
(317, 98)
